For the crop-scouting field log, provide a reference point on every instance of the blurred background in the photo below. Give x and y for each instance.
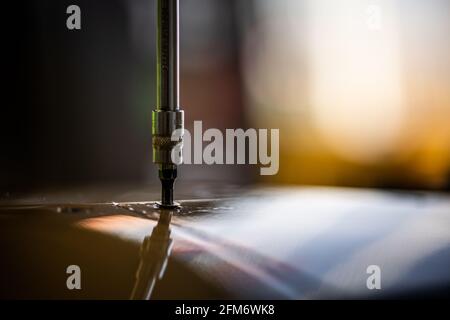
(359, 90)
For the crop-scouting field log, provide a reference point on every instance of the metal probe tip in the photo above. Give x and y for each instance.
(167, 177)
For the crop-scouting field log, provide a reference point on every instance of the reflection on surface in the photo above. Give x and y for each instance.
(155, 251)
(121, 249)
(268, 243)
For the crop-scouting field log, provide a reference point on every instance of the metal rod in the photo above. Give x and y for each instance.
(168, 64)
(167, 117)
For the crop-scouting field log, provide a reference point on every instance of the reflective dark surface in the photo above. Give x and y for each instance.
(265, 243)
